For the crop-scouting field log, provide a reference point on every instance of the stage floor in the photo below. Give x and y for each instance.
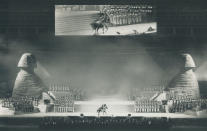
(117, 30)
(168, 115)
(115, 104)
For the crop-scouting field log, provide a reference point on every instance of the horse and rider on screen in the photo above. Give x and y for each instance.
(102, 109)
(102, 22)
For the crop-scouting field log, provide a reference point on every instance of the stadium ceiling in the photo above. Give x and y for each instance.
(160, 3)
(102, 2)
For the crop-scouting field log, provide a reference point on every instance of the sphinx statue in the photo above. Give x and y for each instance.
(185, 83)
(27, 83)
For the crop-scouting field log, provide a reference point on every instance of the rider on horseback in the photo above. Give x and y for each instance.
(101, 22)
(103, 109)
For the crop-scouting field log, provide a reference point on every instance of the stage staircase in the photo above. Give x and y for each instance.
(73, 23)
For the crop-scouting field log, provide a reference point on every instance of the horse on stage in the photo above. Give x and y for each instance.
(101, 23)
(102, 109)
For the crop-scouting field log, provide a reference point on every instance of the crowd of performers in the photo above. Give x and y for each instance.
(128, 14)
(145, 102)
(64, 104)
(21, 104)
(103, 122)
(28, 104)
(91, 122)
(171, 106)
(185, 105)
(145, 93)
(78, 93)
(149, 106)
(64, 98)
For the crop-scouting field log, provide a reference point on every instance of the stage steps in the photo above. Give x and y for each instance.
(73, 23)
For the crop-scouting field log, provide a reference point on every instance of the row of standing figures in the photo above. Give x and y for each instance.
(103, 22)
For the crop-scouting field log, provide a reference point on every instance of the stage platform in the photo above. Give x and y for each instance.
(119, 115)
(115, 104)
(117, 107)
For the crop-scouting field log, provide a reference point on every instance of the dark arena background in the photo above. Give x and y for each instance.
(148, 71)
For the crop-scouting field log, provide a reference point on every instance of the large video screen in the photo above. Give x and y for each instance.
(105, 19)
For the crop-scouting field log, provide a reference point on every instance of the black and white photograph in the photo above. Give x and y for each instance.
(95, 65)
(104, 19)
